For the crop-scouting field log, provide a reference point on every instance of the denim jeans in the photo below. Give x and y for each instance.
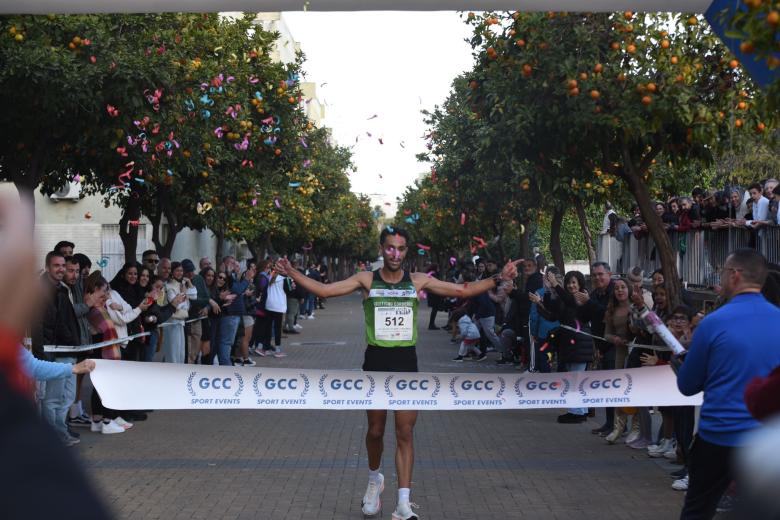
(308, 305)
(59, 395)
(150, 348)
(228, 326)
(577, 367)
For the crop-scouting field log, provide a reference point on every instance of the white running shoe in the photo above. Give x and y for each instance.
(403, 511)
(111, 427)
(96, 426)
(124, 424)
(372, 503)
(681, 484)
(297, 327)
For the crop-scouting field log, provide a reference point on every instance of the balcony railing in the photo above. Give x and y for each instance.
(700, 253)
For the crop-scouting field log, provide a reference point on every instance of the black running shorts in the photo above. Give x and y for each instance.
(390, 359)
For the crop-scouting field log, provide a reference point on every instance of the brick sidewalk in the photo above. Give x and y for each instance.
(282, 464)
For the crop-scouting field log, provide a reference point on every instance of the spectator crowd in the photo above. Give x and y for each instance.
(167, 310)
(549, 321)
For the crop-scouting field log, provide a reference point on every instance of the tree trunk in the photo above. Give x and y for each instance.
(555, 239)
(633, 177)
(220, 234)
(164, 248)
(525, 249)
(585, 227)
(129, 233)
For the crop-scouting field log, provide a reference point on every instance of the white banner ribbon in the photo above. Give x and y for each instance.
(127, 385)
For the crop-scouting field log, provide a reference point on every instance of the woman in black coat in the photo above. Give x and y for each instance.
(575, 350)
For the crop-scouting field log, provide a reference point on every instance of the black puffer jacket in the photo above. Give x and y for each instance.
(571, 347)
(58, 325)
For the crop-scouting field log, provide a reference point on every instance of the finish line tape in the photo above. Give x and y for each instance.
(128, 385)
(62, 349)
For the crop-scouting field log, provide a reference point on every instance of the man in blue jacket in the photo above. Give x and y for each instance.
(729, 348)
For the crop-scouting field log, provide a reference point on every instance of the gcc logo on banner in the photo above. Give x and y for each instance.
(210, 389)
(475, 390)
(538, 391)
(611, 388)
(347, 389)
(412, 390)
(274, 389)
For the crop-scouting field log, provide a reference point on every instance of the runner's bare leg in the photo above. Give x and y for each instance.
(375, 437)
(404, 451)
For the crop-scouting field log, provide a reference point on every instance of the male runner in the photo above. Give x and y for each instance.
(390, 293)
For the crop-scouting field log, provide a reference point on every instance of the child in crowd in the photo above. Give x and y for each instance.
(469, 343)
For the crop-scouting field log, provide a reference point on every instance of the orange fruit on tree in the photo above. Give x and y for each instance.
(277, 152)
(574, 91)
(760, 127)
(651, 87)
(693, 20)
(747, 47)
(631, 48)
(583, 76)
(628, 28)
(598, 68)
(646, 100)
(621, 77)
(742, 105)
(628, 15)
(721, 115)
(615, 46)
(595, 94)
(520, 42)
(674, 60)
(679, 78)
(512, 32)
(734, 64)
(773, 62)
(773, 18)
(665, 44)
(738, 123)
(664, 34)
(572, 83)
(527, 69)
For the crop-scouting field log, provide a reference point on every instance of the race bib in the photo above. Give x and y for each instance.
(393, 323)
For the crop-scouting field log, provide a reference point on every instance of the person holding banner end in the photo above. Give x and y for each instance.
(390, 306)
(729, 348)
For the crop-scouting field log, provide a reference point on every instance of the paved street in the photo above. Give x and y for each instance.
(312, 464)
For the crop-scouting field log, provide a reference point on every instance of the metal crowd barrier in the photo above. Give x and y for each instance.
(699, 254)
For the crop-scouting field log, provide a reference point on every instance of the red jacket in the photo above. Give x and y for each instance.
(762, 395)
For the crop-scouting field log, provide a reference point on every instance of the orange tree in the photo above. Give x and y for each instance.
(296, 211)
(751, 29)
(606, 95)
(228, 122)
(479, 186)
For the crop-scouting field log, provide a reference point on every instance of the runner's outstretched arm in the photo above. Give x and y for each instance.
(466, 290)
(330, 290)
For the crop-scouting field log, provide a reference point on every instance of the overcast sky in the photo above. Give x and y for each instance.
(388, 64)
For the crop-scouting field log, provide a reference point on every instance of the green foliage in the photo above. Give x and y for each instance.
(166, 113)
(572, 244)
